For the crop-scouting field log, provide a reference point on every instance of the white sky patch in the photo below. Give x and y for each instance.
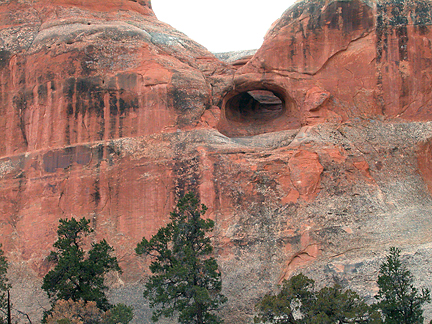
(222, 25)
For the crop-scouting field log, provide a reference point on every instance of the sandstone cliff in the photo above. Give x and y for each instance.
(314, 155)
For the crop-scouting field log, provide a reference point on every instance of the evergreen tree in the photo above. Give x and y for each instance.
(4, 286)
(185, 281)
(399, 301)
(119, 314)
(334, 305)
(299, 303)
(77, 275)
(296, 296)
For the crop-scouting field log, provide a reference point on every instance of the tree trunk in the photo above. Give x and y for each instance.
(9, 308)
(200, 319)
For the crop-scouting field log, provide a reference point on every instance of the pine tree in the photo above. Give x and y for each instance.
(78, 275)
(185, 281)
(398, 299)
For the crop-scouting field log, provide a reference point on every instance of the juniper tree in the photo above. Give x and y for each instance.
(185, 281)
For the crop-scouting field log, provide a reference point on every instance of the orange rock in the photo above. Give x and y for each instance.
(337, 61)
(305, 173)
(89, 71)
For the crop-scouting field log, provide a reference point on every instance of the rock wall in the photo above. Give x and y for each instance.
(82, 73)
(313, 155)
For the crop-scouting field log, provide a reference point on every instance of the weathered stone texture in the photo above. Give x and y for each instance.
(81, 73)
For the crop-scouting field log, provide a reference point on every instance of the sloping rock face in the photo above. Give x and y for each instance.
(341, 60)
(78, 72)
(314, 155)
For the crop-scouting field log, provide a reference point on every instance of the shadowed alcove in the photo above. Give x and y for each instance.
(254, 105)
(257, 111)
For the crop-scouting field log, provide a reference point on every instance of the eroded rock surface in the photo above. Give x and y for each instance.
(95, 71)
(341, 60)
(313, 155)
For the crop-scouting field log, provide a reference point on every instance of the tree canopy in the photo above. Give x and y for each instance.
(298, 302)
(185, 281)
(79, 275)
(398, 299)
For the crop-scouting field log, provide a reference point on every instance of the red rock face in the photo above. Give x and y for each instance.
(341, 60)
(94, 71)
(313, 155)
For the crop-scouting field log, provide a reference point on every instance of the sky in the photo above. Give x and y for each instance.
(222, 25)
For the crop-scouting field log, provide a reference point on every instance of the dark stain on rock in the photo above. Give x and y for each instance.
(113, 113)
(382, 38)
(89, 96)
(121, 124)
(348, 16)
(123, 105)
(4, 58)
(180, 99)
(64, 158)
(101, 131)
(402, 35)
(96, 196)
(67, 133)
(53, 86)
(68, 91)
(99, 153)
(126, 81)
(126, 103)
(113, 104)
(42, 94)
(20, 102)
(69, 109)
(392, 16)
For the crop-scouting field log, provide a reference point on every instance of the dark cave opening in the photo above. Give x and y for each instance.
(255, 106)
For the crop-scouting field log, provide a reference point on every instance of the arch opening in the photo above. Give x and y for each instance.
(255, 106)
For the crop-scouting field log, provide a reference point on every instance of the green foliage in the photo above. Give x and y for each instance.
(335, 305)
(296, 295)
(399, 301)
(78, 275)
(186, 281)
(299, 303)
(4, 286)
(120, 313)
